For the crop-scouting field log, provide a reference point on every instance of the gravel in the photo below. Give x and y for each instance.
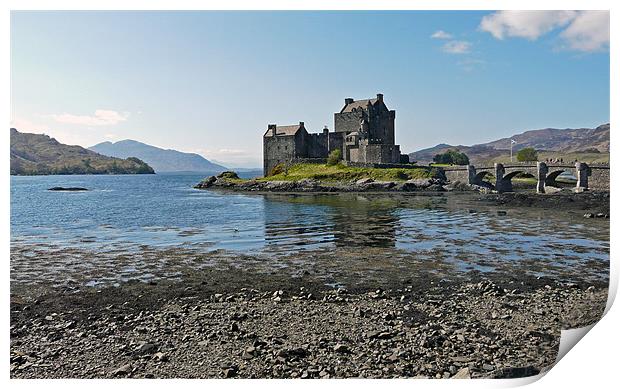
(460, 330)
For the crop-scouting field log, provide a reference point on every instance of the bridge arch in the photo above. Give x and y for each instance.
(479, 179)
(550, 180)
(513, 174)
(480, 176)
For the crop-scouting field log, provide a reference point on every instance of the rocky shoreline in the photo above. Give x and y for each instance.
(426, 328)
(223, 181)
(594, 203)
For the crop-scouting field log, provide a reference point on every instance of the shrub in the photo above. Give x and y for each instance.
(401, 175)
(228, 174)
(527, 154)
(278, 169)
(452, 157)
(334, 157)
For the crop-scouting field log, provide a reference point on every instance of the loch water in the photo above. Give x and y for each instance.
(127, 213)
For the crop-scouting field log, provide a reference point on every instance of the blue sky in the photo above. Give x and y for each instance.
(210, 82)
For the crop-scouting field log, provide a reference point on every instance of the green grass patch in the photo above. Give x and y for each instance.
(525, 180)
(339, 172)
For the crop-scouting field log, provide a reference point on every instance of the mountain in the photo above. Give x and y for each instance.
(162, 160)
(36, 154)
(548, 141)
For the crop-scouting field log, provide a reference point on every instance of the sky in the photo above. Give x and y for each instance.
(210, 82)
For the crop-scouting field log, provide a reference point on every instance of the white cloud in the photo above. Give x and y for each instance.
(101, 117)
(589, 31)
(441, 34)
(456, 47)
(24, 125)
(525, 24)
(582, 30)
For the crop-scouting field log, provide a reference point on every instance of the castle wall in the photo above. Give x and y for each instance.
(302, 146)
(347, 121)
(375, 153)
(352, 154)
(316, 146)
(382, 126)
(320, 145)
(278, 149)
(336, 141)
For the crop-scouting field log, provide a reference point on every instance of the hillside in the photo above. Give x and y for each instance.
(36, 154)
(161, 160)
(587, 144)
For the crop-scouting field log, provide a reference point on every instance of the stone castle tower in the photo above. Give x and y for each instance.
(364, 132)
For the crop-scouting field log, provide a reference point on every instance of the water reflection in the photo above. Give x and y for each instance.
(342, 221)
(429, 228)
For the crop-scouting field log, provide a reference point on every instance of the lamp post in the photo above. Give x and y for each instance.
(512, 142)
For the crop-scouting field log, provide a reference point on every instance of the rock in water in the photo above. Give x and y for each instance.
(206, 183)
(67, 189)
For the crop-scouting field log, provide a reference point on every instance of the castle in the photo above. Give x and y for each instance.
(364, 132)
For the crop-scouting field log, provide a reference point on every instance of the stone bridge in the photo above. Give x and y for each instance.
(588, 177)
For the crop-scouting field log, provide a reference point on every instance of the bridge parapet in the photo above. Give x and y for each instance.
(588, 176)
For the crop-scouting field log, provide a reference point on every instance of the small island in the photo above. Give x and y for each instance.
(307, 177)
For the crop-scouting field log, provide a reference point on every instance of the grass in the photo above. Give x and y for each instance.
(525, 180)
(339, 172)
(571, 157)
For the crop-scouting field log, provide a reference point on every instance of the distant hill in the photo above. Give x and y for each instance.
(549, 141)
(161, 160)
(36, 154)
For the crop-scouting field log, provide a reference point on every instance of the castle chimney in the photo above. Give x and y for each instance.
(301, 124)
(348, 101)
(325, 130)
(272, 128)
(380, 97)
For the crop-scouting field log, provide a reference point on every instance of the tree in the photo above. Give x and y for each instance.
(452, 157)
(527, 154)
(334, 157)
